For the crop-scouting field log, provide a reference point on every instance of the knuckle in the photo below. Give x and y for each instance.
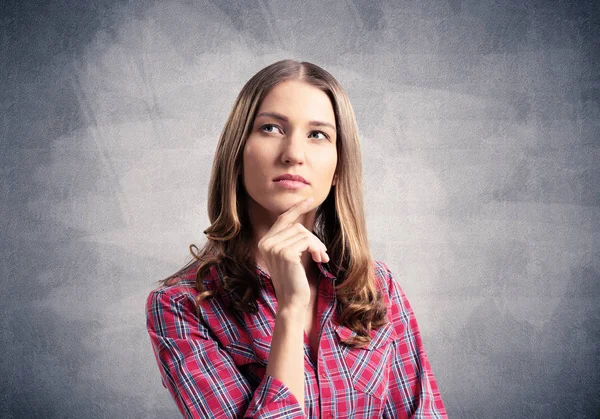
(286, 254)
(276, 249)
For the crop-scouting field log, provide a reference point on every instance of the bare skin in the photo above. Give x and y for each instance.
(283, 141)
(282, 247)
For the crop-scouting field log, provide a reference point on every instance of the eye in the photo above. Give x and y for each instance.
(320, 132)
(269, 125)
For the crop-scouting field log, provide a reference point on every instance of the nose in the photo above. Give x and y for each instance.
(293, 149)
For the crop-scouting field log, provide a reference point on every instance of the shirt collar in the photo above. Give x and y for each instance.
(323, 268)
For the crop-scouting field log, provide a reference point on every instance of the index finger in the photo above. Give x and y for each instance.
(289, 216)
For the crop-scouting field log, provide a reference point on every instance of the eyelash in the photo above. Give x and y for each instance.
(273, 125)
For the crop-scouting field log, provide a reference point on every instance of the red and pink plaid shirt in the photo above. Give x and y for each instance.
(214, 365)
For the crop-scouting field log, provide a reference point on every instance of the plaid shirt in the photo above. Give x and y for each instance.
(214, 365)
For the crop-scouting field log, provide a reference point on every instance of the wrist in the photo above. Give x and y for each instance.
(291, 312)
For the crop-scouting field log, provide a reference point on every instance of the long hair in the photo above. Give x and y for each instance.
(339, 220)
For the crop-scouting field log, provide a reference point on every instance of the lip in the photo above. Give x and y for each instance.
(289, 176)
(291, 184)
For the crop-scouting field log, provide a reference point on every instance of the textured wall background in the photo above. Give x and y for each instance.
(480, 132)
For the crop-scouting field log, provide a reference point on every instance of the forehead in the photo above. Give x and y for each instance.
(299, 101)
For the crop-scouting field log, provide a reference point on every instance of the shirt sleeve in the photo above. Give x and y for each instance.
(202, 377)
(413, 390)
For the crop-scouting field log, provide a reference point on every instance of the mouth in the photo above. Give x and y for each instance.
(290, 184)
(289, 177)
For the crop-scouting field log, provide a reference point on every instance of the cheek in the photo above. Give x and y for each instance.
(328, 162)
(254, 161)
(251, 157)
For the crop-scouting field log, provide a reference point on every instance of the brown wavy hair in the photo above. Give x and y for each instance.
(339, 220)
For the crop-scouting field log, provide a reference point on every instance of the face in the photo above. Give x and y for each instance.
(294, 132)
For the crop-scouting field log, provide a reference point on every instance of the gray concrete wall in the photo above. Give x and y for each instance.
(479, 125)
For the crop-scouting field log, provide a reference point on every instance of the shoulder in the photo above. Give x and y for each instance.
(181, 286)
(390, 287)
(383, 276)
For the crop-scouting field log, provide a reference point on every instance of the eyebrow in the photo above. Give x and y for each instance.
(285, 119)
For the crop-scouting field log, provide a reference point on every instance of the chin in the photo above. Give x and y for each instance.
(283, 203)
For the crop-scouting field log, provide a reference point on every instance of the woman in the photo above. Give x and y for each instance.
(284, 313)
